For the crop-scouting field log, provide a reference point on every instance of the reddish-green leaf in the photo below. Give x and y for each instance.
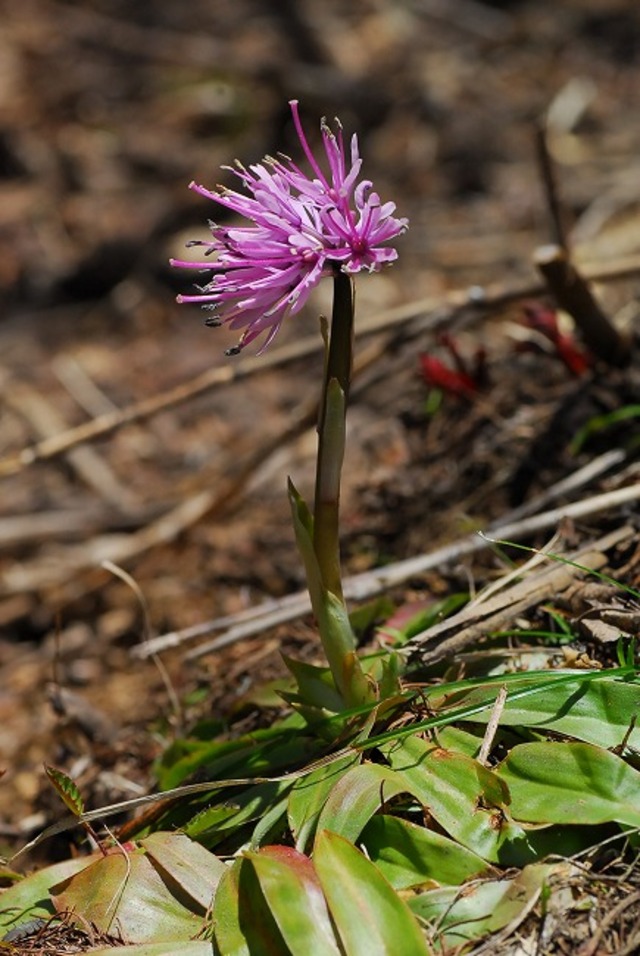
(292, 890)
(469, 801)
(242, 920)
(186, 866)
(370, 917)
(30, 897)
(226, 914)
(124, 893)
(66, 789)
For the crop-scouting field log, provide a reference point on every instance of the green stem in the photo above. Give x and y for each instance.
(331, 434)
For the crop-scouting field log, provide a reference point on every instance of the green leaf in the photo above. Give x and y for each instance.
(315, 684)
(292, 890)
(226, 914)
(469, 801)
(389, 683)
(338, 643)
(124, 893)
(30, 898)
(364, 617)
(186, 866)
(303, 529)
(66, 789)
(409, 855)
(570, 783)
(213, 823)
(356, 796)
(271, 826)
(309, 795)
(598, 711)
(481, 908)
(453, 737)
(242, 919)
(262, 752)
(370, 917)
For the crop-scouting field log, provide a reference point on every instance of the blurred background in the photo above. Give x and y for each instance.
(108, 109)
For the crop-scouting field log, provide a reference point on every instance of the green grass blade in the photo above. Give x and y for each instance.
(530, 683)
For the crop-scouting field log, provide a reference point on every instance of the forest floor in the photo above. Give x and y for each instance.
(167, 521)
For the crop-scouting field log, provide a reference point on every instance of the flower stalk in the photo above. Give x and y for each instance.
(332, 433)
(301, 229)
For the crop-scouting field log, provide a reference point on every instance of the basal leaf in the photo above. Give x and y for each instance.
(124, 893)
(370, 917)
(461, 741)
(243, 923)
(315, 684)
(292, 890)
(30, 898)
(571, 783)
(408, 854)
(251, 803)
(469, 801)
(356, 796)
(481, 908)
(263, 752)
(271, 826)
(226, 914)
(309, 795)
(186, 866)
(598, 711)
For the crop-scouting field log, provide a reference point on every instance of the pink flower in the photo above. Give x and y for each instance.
(301, 230)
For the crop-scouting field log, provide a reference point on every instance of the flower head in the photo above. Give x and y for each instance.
(301, 229)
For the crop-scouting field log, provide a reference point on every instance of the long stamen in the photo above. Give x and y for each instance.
(305, 145)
